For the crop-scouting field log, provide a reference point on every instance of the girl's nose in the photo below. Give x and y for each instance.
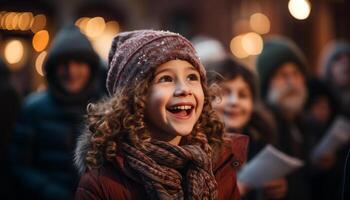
(232, 99)
(182, 89)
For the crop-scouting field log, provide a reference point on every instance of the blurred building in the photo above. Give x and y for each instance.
(27, 27)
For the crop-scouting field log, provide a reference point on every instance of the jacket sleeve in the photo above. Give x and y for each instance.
(239, 147)
(231, 159)
(22, 159)
(89, 188)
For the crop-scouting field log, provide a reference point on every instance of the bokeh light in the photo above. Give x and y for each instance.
(40, 40)
(252, 43)
(15, 20)
(81, 23)
(95, 27)
(14, 51)
(103, 42)
(8, 20)
(259, 23)
(237, 48)
(3, 19)
(38, 23)
(25, 20)
(39, 63)
(299, 9)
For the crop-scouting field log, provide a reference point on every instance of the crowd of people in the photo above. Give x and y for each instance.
(162, 123)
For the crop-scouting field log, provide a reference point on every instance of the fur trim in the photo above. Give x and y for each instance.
(83, 146)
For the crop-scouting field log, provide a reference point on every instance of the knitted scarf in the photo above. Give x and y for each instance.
(172, 172)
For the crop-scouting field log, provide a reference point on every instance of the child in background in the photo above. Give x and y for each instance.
(239, 110)
(156, 136)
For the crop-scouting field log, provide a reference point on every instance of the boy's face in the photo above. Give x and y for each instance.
(236, 105)
(73, 76)
(175, 100)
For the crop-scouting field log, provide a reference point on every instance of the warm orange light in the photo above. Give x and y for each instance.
(95, 27)
(25, 20)
(299, 9)
(40, 40)
(81, 23)
(252, 43)
(3, 20)
(15, 21)
(14, 51)
(112, 27)
(8, 20)
(237, 48)
(102, 43)
(260, 23)
(38, 23)
(39, 63)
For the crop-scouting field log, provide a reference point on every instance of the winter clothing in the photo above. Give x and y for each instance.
(162, 179)
(10, 106)
(333, 50)
(292, 139)
(135, 53)
(258, 128)
(51, 121)
(158, 170)
(341, 93)
(108, 183)
(276, 52)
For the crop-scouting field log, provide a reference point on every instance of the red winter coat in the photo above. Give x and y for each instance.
(109, 183)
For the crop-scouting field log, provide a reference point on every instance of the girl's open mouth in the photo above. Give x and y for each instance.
(181, 111)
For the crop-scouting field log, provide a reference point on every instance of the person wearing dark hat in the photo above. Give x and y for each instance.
(336, 73)
(51, 120)
(156, 136)
(336, 78)
(282, 71)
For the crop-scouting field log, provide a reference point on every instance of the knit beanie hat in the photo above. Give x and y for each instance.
(276, 52)
(330, 53)
(134, 53)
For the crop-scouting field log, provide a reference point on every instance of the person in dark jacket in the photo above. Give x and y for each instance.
(51, 120)
(336, 78)
(336, 74)
(10, 106)
(282, 71)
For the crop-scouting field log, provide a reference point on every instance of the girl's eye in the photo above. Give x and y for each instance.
(165, 79)
(244, 94)
(193, 77)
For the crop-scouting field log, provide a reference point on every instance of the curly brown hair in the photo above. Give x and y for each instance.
(121, 118)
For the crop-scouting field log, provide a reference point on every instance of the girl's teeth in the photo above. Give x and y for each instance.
(182, 107)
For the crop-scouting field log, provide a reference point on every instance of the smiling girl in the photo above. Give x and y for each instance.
(156, 136)
(241, 113)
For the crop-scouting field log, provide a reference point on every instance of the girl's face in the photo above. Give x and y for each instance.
(175, 101)
(236, 106)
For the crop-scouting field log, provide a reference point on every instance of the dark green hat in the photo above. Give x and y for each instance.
(276, 52)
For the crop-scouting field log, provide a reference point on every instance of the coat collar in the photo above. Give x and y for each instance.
(234, 148)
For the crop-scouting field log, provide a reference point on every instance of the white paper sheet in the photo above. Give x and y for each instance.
(269, 164)
(336, 137)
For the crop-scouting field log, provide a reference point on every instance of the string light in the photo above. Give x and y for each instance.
(299, 9)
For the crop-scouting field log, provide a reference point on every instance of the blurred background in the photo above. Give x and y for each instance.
(36, 146)
(27, 27)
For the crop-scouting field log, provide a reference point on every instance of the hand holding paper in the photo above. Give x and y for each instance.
(269, 164)
(337, 136)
